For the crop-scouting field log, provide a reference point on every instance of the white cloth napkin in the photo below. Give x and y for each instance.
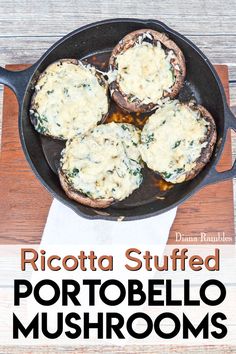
(64, 226)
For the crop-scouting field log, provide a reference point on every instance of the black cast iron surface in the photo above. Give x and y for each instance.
(94, 44)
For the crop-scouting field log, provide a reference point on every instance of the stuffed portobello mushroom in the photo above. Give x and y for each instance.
(69, 99)
(177, 141)
(103, 166)
(145, 67)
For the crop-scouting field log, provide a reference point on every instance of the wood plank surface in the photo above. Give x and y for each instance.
(25, 202)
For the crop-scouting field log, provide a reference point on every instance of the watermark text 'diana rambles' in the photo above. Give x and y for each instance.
(216, 237)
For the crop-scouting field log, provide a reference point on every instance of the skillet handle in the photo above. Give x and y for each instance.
(16, 80)
(214, 176)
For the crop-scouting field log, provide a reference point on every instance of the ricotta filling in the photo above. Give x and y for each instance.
(69, 100)
(144, 71)
(172, 140)
(104, 163)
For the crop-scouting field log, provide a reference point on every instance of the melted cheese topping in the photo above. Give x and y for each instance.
(144, 71)
(104, 163)
(69, 100)
(172, 140)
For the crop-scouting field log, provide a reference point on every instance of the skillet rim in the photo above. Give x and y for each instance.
(97, 213)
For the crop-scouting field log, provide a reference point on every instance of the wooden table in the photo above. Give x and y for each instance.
(28, 28)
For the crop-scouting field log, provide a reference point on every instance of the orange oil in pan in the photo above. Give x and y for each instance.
(162, 184)
(117, 115)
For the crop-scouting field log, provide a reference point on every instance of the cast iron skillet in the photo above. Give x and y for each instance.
(94, 43)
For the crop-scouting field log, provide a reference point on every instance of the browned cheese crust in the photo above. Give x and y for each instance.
(127, 42)
(34, 107)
